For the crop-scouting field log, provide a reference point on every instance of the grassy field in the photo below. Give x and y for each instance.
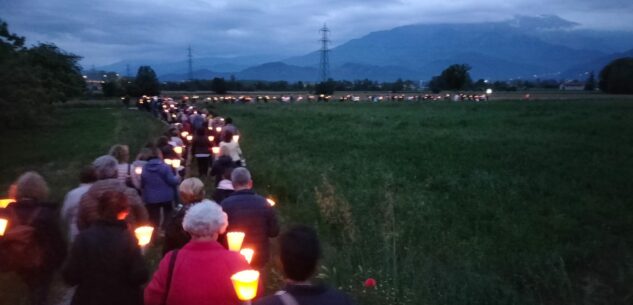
(57, 150)
(443, 203)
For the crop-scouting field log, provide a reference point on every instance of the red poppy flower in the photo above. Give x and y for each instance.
(370, 283)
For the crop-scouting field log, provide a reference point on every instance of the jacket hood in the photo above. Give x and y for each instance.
(153, 165)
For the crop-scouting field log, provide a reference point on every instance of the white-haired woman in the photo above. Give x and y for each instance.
(191, 191)
(200, 272)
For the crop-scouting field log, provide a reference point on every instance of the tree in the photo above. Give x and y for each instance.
(33, 78)
(455, 77)
(146, 82)
(219, 86)
(326, 87)
(617, 76)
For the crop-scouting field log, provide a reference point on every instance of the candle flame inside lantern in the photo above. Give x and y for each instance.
(168, 161)
(184, 134)
(218, 129)
(138, 170)
(215, 150)
(3, 225)
(245, 284)
(5, 202)
(211, 138)
(235, 240)
(144, 235)
(189, 137)
(271, 202)
(175, 163)
(178, 149)
(236, 138)
(248, 254)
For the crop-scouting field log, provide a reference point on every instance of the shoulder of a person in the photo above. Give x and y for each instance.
(269, 300)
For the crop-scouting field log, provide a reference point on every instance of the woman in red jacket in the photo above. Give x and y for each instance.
(200, 272)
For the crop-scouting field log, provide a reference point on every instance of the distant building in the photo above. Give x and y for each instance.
(94, 86)
(572, 86)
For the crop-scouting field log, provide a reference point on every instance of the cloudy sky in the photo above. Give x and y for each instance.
(108, 31)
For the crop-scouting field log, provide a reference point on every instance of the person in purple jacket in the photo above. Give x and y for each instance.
(158, 185)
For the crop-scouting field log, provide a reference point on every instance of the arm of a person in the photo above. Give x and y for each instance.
(172, 179)
(82, 212)
(72, 270)
(155, 290)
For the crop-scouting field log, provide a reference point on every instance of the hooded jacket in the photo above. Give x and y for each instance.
(158, 182)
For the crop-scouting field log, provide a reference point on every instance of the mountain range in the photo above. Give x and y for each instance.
(525, 47)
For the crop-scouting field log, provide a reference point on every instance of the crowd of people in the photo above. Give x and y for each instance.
(105, 262)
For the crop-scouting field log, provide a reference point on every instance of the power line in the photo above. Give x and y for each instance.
(190, 62)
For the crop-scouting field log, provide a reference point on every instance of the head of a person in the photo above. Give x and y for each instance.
(31, 186)
(162, 141)
(106, 167)
(228, 136)
(200, 132)
(144, 154)
(228, 121)
(173, 132)
(113, 205)
(88, 174)
(241, 179)
(300, 251)
(154, 153)
(227, 172)
(205, 220)
(120, 152)
(191, 190)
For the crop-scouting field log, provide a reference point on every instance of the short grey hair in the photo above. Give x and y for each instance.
(205, 219)
(240, 177)
(191, 190)
(106, 167)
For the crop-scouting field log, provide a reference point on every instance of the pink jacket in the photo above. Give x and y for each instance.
(201, 276)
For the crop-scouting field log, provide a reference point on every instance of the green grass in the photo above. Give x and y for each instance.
(57, 150)
(444, 203)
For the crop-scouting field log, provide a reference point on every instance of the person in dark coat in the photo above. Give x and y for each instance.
(32, 209)
(105, 262)
(250, 213)
(300, 252)
(219, 166)
(202, 151)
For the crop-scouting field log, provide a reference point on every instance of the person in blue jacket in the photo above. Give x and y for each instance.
(158, 186)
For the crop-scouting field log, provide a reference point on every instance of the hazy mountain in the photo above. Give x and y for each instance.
(580, 71)
(523, 47)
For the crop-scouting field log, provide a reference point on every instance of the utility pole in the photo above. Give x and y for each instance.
(324, 64)
(190, 62)
(127, 70)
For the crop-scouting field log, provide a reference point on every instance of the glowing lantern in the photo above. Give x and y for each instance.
(169, 161)
(271, 202)
(189, 138)
(175, 163)
(144, 235)
(138, 170)
(235, 240)
(215, 150)
(178, 149)
(489, 91)
(211, 138)
(5, 202)
(218, 129)
(184, 134)
(248, 254)
(245, 284)
(236, 138)
(3, 226)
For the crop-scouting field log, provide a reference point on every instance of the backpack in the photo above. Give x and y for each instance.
(20, 248)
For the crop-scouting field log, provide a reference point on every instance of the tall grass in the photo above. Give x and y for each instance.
(443, 203)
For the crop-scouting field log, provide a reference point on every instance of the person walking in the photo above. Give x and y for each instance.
(70, 209)
(201, 150)
(106, 169)
(200, 272)
(105, 261)
(33, 245)
(300, 251)
(158, 184)
(191, 192)
(250, 213)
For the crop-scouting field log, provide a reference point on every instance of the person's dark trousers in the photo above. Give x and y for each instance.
(154, 209)
(203, 166)
(38, 287)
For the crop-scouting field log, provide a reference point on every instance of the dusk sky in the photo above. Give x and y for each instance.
(108, 31)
